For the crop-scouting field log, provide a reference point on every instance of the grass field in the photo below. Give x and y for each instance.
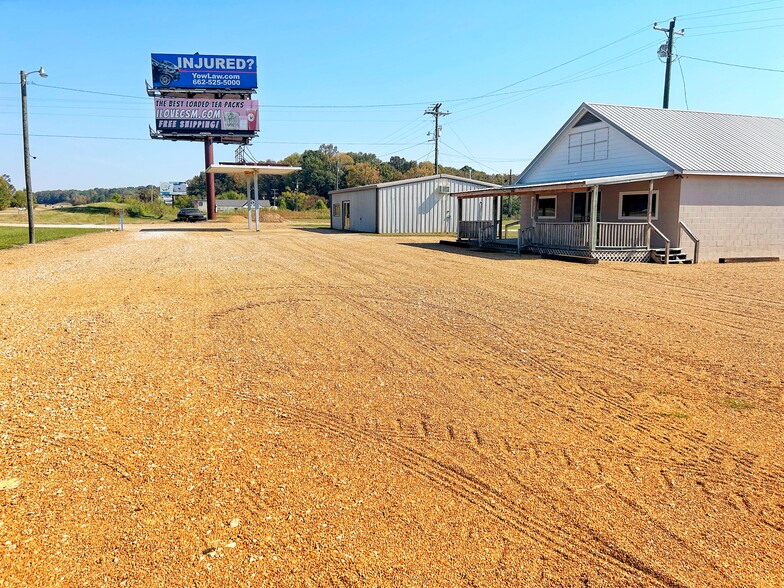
(108, 213)
(13, 236)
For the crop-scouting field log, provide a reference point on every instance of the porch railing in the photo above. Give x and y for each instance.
(621, 236)
(473, 229)
(693, 238)
(577, 235)
(563, 234)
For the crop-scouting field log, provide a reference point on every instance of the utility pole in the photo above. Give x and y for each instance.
(435, 112)
(28, 182)
(667, 52)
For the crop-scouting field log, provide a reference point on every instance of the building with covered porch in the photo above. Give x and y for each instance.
(650, 184)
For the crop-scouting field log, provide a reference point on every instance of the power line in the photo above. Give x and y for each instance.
(683, 78)
(722, 10)
(738, 30)
(91, 91)
(733, 64)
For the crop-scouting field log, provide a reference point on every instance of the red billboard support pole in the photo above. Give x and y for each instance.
(209, 179)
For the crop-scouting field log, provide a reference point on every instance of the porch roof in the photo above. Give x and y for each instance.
(560, 187)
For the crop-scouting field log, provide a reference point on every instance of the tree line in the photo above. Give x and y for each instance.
(325, 169)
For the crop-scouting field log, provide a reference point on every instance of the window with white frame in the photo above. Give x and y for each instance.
(589, 145)
(546, 207)
(635, 205)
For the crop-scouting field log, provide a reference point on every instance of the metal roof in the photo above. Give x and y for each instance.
(564, 186)
(702, 142)
(412, 180)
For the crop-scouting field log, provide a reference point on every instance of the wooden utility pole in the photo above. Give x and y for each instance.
(671, 32)
(26, 141)
(435, 112)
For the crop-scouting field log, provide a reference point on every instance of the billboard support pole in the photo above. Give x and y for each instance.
(209, 179)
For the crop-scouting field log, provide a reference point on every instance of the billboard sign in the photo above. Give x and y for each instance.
(173, 71)
(170, 190)
(214, 117)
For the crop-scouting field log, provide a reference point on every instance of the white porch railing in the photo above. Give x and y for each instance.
(621, 236)
(625, 236)
(562, 234)
(577, 235)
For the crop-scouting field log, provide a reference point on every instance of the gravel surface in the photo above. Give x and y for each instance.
(307, 408)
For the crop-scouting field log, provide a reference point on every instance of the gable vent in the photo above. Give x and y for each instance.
(587, 119)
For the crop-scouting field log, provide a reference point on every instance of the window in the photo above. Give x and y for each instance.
(545, 207)
(589, 145)
(635, 205)
(336, 210)
(581, 207)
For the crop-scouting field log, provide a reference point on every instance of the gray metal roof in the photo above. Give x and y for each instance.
(413, 180)
(702, 142)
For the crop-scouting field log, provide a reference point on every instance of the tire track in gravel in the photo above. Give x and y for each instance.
(418, 341)
(649, 425)
(70, 444)
(472, 488)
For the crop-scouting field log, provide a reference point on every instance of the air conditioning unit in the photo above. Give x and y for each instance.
(443, 190)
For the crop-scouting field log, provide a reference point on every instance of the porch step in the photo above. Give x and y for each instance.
(676, 256)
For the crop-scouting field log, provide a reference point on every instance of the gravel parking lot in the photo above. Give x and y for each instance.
(308, 408)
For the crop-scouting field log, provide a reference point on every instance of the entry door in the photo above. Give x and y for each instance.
(346, 215)
(581, 207)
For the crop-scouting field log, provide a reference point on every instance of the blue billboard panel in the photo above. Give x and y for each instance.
(203, 72)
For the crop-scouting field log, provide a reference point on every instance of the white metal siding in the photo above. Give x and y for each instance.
(362, 210)
(418, 207)
(624, 157)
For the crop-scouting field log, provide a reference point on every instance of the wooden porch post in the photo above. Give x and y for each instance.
(459, 216)
(650, 206)
(495, 214)
(594, 230)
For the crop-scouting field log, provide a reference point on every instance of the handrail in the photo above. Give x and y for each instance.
(506, 227)
(694, 239)
(666, 242)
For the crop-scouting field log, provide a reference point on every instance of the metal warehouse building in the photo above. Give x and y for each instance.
(418, 205)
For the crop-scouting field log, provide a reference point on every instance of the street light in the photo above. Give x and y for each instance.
(26, 141)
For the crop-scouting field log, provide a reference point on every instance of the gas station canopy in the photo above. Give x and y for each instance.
(251, 169)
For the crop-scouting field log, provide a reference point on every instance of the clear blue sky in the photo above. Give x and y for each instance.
(360, 75)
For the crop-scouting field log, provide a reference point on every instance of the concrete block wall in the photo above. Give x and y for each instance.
(735, 231)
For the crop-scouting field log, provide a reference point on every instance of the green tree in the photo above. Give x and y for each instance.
(19, 199)
(183, 201)
(5, 192)
(421, 170)
(231, 195)
(401, 164)
(197, 185)
(361, 174)
(389, 173)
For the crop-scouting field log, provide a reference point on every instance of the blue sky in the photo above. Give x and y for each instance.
(360, 75)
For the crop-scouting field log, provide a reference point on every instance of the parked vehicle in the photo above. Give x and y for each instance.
(191, 215)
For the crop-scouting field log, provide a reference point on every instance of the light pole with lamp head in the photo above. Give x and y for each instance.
(26, 141)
